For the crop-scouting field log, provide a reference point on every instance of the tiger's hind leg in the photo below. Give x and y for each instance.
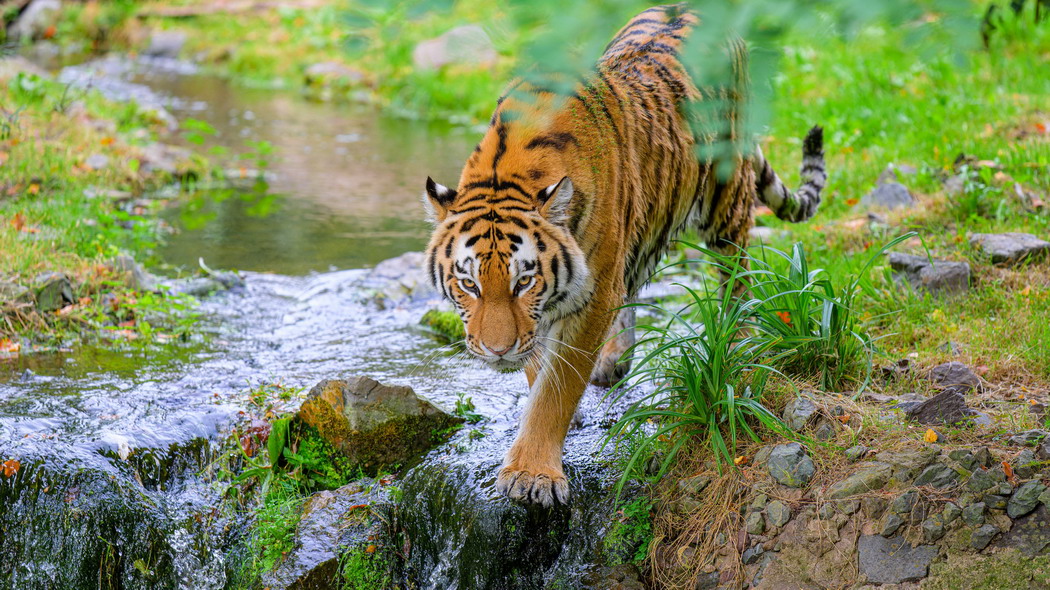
(609, 369)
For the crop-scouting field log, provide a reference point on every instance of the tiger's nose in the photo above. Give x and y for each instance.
(499, 351)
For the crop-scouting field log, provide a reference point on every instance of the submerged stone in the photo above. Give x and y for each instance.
(375, 425)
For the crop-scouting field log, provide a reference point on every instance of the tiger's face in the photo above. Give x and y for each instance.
(511, 270)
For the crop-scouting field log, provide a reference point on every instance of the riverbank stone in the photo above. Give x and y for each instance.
(955, 375)
(798, 413)
(375, 425)
(778, 513)
(53, 291)
(790, 465)
(946, 408)
(893, 561)
(935, 277)
(868, 479)
(1011, 248)
(888, 195)
(1025, 499)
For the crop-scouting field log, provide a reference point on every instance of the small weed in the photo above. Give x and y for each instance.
(631, 532)
(465, 409)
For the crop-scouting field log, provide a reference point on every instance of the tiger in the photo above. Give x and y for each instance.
(565, 208)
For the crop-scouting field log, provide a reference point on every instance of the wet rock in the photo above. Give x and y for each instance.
(891, 524)
(982, 536)
(798, 413)
(204, 286)
(332, 522)
(937, 475)
(893, 561)
(1011, 248)
(868, 479)
(53, 291)
(755, 524)
(1029, 438)
(332, 79)
(935, 277)
(955, 375)
(618, 577)
(790, 465)
(1029, 534)
(132, 273)
(447, 326)
(856, 453)
(397, 280)
(1025, 500)
(375, 425)
(463, 45)
(947, 407)
(889, 195)
(166, 44)
(778, 513)
(37, 17)
(973, 514)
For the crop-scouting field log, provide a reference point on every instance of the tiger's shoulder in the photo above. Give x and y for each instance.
(659, 30)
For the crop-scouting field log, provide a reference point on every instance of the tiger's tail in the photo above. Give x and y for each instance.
(801, 204)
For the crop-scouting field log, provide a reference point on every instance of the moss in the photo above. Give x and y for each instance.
(447, 325)
(1008, 570)
(365, 568)
(628, 538)
(271, 532)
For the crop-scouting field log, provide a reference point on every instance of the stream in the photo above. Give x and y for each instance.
(114, 443)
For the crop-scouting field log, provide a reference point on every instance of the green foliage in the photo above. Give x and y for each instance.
(445, 324)
(707, 377)
(272, 531)
(465, 409)
(628, 538)
(362, 570)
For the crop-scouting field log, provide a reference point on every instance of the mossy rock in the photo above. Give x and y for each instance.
(1007, 570)
(375, 425)
(447, 325)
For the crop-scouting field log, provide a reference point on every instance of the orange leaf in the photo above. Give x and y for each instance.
(11, 467)
(33, 189)
(370, 549)
(784, 317)
(1008, 470)
(1026, 290)
(740, 460)
(1041, 127)
(50, 32)
(7, 346)
(852, 202)
(358, 507)
(930, 436)
(107, 141)
(845, 418)
(18, 221)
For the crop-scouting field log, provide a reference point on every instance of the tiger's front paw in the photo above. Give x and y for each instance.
(538, 485)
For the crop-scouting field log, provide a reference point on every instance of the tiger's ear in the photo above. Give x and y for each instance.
(436, 200)
(554, 201)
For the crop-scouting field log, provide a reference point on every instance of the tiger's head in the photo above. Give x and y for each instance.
(506, 259)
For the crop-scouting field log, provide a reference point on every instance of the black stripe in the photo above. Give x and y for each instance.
(558, 141)
(517, 222)
(472, 240)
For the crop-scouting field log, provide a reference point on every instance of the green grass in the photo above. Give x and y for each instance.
(631, 532)
(59, 214)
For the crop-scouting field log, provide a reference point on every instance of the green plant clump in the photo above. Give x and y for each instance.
(631, 532)
(446, 324)
(362, 570)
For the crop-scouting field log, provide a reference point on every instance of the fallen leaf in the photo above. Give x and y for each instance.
(50, 32)
(1026, 290)
(845, 418)
(852, 202)
(33, 189)
(357, 507)
(1008, 470)
(370, 549)
(981, 370)
(740, 460)
(1041, 127)
(107, 141)
(930, 436)
(18, 221)
(11, 467)
(6, 345)
(784, 317)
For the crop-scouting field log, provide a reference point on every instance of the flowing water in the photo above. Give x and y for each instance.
(112, 444)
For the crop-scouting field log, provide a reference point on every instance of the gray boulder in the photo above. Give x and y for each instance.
(463, 45)
(889, 195)
(790, 465)
(955, 375)
(35, 19)
(935, 277)
(893, 561)
(165, 44)
(947, 407)
(798, 413)
(53, 291)
(1011, 248)
(375, 425)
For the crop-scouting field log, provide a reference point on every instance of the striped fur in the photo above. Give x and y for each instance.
(566, 206)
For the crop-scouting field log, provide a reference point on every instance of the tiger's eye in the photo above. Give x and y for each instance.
(468, 283)
(524, 281)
